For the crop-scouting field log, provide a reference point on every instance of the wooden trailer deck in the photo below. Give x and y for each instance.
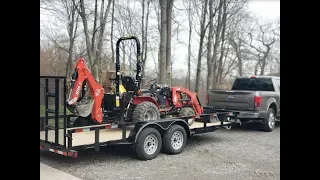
(86, 138)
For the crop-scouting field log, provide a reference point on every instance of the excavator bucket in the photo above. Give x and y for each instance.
(84, 107)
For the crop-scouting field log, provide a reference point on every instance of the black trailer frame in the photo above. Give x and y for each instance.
(68, 149)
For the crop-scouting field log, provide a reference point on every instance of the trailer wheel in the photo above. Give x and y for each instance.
(146, 111)
(174, 139)
(187, 111)
(268, 124)
(148, 144)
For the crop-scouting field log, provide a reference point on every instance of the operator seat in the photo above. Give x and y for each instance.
(129, 83)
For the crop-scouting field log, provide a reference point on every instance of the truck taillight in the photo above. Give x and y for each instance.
(257, 101)
(207, 99)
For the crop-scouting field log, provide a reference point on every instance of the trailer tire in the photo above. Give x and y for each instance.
(174, 139)
(148, 144)
(187, 111)
(268, 123)
(145, 111)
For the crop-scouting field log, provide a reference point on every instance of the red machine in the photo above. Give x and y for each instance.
(136, 104)
(176, 98)
(81, 77)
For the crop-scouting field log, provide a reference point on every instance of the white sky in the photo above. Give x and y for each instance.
(269, 9)
(266, 9)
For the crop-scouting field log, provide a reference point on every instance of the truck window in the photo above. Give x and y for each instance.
(265, 84)
(245, 84)
(253, 84)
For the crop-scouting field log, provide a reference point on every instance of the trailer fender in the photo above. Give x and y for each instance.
(161, 126)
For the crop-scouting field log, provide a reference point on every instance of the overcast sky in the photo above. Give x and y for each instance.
(269, 9)
(265, 9)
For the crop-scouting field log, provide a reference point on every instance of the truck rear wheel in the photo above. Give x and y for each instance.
(148, 144)
(268, 124)
(145, 111)
(187, 111)
(174, 139)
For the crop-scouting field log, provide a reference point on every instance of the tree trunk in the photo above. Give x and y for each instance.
(216, 45)
(111, 36)
(163, 42)
(168, 54)
(209, 47)
(144, 30)
(202, 34)
(222, 51)
(86, 33)
(103, 20)
(188, 85)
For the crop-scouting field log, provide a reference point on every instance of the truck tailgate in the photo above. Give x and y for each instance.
(239, 100)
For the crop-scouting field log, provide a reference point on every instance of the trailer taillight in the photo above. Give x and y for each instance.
(257, 101)
(207, 99)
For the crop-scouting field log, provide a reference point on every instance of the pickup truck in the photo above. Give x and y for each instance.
(256, 97)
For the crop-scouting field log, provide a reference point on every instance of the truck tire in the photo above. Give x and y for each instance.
(148, 144)
(174, 139)
(268, 124)
(146, 111)
(187, 111)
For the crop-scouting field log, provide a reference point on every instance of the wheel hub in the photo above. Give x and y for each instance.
(149, 115)
(177, 140)
(150, 144)
(271, 120)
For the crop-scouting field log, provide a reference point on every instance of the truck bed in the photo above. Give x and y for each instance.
(87, 138)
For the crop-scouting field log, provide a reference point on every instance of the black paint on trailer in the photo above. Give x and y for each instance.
(140, 129)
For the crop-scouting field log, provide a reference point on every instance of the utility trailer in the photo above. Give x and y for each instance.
(147, 138)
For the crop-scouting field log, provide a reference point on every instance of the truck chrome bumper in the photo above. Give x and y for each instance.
(246, 114)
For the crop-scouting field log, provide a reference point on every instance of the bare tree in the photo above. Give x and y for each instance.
(168, 42)
(63, 11)
(211, 57)
(111, 33)
(190, 26)
(202, 35)
(144, 33)
(94, 50)
(265, 41)
(163, 42)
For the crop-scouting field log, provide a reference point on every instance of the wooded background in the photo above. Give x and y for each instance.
(222, 39)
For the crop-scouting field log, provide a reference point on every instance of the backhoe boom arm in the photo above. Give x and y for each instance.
(82, 74)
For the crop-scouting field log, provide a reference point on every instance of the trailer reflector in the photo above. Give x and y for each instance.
(92, 128)
(69, 153)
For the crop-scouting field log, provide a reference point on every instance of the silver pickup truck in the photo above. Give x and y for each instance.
(256, 97)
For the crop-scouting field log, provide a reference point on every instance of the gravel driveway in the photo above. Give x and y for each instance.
(240, 153)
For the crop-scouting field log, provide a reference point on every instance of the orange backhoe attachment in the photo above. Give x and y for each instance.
(82, 74)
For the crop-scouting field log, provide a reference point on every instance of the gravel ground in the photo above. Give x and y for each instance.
(240, 153)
